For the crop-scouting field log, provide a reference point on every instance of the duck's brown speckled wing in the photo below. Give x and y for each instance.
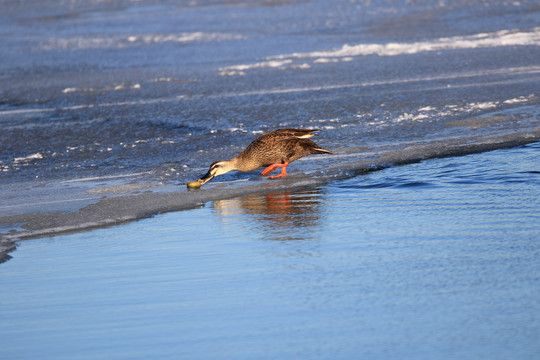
(280, 146)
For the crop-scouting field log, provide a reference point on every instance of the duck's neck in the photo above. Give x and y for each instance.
(233, 164)
(239, 164)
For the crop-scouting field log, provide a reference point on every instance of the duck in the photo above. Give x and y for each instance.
(273, 150)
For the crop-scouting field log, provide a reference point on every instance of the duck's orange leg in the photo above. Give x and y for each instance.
(272, 167)
(269, 169)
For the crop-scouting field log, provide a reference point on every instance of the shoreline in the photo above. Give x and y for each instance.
(117, 204)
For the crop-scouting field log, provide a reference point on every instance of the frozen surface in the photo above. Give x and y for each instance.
(108, 108)
(154, 91)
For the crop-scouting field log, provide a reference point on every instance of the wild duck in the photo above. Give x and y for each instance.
(275, 149)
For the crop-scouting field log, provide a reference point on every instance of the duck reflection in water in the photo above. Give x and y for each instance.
(278, 216)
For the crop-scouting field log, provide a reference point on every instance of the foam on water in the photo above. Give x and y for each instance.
(116, 87)
(240, 69)
(349, 52)
(123, 41)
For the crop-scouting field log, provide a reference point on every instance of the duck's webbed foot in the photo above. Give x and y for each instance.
(272, 167)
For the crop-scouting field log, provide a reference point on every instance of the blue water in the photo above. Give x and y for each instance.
(438, 259)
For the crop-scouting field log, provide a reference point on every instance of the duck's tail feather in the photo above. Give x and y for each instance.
(301, 133)
(321, 151)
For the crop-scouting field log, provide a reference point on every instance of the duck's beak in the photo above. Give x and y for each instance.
(204, 181)
(206, 178)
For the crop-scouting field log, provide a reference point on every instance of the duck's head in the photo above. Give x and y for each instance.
(219, 167)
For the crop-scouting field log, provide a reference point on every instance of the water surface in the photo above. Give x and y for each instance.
(437, 259)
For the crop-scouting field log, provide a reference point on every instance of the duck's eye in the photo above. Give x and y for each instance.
(216, 166)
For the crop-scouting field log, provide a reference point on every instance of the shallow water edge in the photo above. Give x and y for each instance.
(435, 259)
(123, 207)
